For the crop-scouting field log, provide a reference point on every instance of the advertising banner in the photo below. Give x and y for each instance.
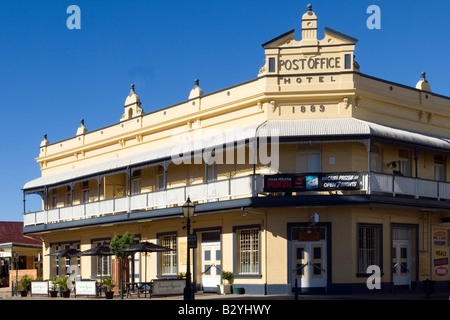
(312, 182)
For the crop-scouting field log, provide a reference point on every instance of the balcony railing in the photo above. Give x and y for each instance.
(400, 185)
(213, 191)
(252, 185)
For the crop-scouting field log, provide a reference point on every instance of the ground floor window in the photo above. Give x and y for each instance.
(64, 265)
(168, 259)
(248, 250)
(102, 264)
(369, 247)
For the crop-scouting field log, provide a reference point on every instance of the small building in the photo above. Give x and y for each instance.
(18, 252)
(313, 176)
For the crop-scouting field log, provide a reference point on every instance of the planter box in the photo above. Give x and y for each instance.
(224, 288)
(238, 290)
(66, 294)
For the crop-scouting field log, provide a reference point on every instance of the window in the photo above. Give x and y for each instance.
(168, 259)
(102, 264)
(68, 196)
(85, 195)
(160, 180)
(65, 265)
(369, 245)
(248, 251)
(136, 182)
(54, 199)
(85, 192)
(439, 168)
(271, 64)
(308, 158)
(347, 61)
(375, 157)
(211, 172)
(404, 160)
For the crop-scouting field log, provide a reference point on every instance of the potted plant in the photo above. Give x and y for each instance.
(108, 282)
(53, 287)
(62, 283)
(24, 285)
(227, 277)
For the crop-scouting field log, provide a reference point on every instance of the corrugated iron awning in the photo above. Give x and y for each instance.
(350, 127)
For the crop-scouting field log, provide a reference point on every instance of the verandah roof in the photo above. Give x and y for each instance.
(333, 128)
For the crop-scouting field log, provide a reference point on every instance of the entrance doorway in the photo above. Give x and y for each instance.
(211, 260)
(309, 261)
(401, 256)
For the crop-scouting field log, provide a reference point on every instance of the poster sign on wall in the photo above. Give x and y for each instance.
(440, 238)
(312, 182)
(440, 254)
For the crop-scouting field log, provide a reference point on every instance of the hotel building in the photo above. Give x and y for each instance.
(312, 176)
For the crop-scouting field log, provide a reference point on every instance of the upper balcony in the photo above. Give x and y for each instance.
(387, 185)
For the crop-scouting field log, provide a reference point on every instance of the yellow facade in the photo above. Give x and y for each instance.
(324, 119)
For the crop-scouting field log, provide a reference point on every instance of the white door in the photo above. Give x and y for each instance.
(401, 262)
(309, 261)
(211, 265)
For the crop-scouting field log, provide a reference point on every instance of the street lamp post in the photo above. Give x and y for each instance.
(188, 212)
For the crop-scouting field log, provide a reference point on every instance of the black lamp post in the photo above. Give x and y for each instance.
(188, 212)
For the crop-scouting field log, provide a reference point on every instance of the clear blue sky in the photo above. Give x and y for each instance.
(51, 77)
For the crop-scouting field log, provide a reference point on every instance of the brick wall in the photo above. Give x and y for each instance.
(20, 273)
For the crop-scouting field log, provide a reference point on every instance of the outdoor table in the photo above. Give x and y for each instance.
(139, 287)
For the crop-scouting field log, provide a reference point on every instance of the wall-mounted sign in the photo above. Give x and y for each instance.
(302, 63)
(192, 241)
(441, 271)
(440, 238)
(312, 182)
(440, 253)
(440, 262)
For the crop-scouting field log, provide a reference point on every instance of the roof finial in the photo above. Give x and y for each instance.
(423, 84)
(81, 129)
(196, 91)
(44, 141)
(423, 75)
(132, 90)
(309, 8)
